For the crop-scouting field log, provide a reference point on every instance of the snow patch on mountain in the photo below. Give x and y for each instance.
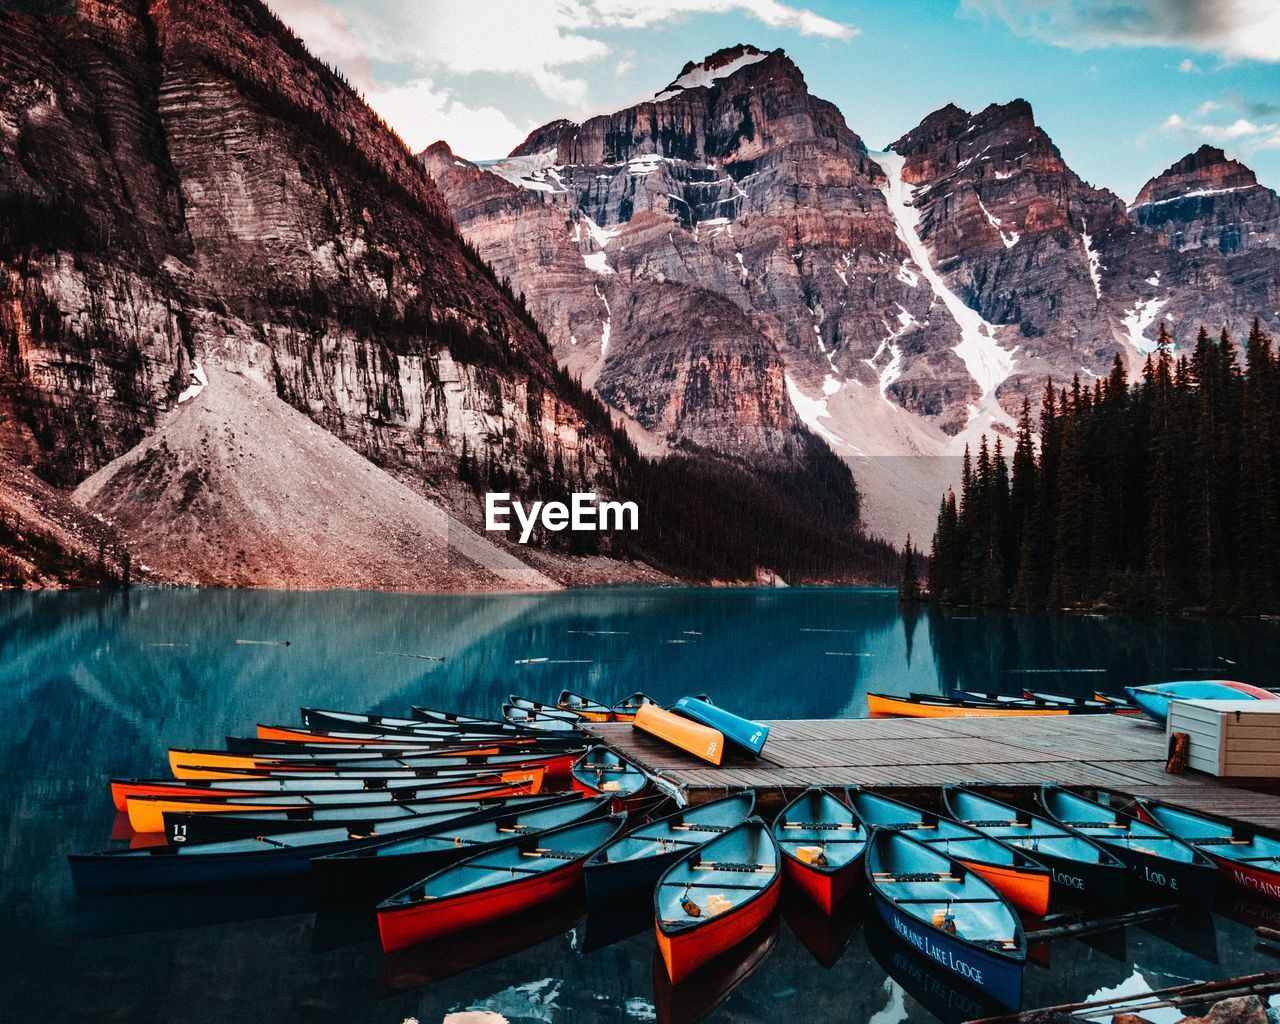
(538, 173)
(989, 363)
(1094, 262)
(1010, 239)
(1138, 320)
(700, 76)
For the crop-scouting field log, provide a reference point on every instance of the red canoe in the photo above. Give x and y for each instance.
(822, 842)
(525, 873)
(716, 897)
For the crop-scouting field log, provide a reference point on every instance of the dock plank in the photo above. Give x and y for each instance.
(1113, 752)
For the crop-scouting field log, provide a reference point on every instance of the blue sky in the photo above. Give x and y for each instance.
(1124, 87)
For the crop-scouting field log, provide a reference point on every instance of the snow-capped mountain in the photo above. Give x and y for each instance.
(728, 261)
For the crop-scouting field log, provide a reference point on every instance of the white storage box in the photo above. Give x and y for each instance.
(1230, 738)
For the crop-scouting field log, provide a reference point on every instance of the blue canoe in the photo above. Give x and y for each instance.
(1155, 699)
(978, 938)
(239, 861)
(633, 863)
(742, 732)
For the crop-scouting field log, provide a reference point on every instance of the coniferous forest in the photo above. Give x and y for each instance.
(1162, 494)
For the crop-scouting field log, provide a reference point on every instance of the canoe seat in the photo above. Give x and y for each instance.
(828, 826)
(554, 854)
(1093, 824)
(904, 826)
(1219, 841)
(996, 823)
(917, 876)
(695, 827)
(724, 865)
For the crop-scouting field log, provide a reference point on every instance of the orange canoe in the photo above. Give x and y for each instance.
(146, 813)
(193, 764)
(699, 740)
(881, 705)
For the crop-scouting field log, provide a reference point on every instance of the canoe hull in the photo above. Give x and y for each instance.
(616, 881)
(684, 952)
(421, 922)
(996, 977)
(340, 879)
(1026, 888)
(750, 736)
(692, 737)
(827, 889)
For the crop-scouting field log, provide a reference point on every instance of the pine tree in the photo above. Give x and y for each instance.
(909, 585)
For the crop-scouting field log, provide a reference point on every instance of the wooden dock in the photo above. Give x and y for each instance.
(1112, 752)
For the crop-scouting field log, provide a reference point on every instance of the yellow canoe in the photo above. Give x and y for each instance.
(881, 706)
(699, 740)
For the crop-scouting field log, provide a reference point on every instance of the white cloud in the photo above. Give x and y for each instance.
(1188, 66)
(423, 114)
(544, 41)
(418, 48)
(1242, 132)
(1234, 29)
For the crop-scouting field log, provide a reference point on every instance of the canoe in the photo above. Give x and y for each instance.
(1029, 698)
(540, 720)
(370, 746)
(387, 737)
(184, 827)
(716, 897)
(497, 882)
(591, 710)
(1083, 871)
(1086, 702)
(434, 715)
(316, 718)
(123, 789)
(822, 842)
(252, 859)
(750, 736)
(183, 760)
(695, 998)
(941, 907)
(941, 992)
(625, 710)
(554, 764)
(632, 864)
(515, 700)
(601, 771)
(1154, 700)
(1157, 859)
(884, 705)
(383, 868)
(1244, 858)
(1024, 881)
(146, 813)
(698, 740)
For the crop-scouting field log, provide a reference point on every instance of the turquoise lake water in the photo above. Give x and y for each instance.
(100, 685)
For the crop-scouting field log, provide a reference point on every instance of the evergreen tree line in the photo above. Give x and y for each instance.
(1164, 495)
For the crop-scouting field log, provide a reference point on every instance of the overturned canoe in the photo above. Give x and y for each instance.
(633, 863)
(750, 736)
(1083, 871)
(693, 737)
(938, 905)
(823, 842)
(716, 897)
(495, 883)
(1157, 859)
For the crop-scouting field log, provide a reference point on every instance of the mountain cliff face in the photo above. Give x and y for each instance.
(729, 249)
(1207, 201)
(183, 187)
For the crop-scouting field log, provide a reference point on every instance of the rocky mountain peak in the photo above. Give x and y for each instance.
(1208, 200)
(1208, 168)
